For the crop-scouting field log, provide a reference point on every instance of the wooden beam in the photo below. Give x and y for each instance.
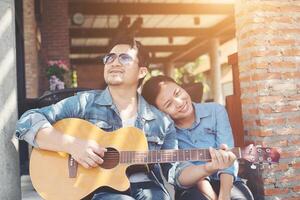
(143, 32)
(202, 49)
(104, 49)
(197, 45)
(89, 8)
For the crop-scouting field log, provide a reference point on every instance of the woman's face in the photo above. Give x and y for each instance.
(175, 101)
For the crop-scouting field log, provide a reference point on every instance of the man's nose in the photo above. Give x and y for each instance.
(116, 62)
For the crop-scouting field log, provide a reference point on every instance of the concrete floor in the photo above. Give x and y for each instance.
(28, 192)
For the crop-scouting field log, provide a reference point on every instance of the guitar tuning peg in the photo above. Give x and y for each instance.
(253, 166)
(270, 166)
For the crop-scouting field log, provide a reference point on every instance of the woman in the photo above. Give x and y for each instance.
(198, 126)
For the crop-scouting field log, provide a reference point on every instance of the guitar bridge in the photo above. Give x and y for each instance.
(72, 165)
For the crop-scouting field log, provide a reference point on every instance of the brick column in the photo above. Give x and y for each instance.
(268, 35)
(55, 34)
(30, 48)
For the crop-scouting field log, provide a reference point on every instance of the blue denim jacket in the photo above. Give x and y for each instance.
(98, 108)
(210, 129)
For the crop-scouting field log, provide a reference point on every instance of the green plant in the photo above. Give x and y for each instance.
(56, 68)
(188, 73)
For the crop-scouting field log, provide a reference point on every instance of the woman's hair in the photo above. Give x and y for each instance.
(152, 88)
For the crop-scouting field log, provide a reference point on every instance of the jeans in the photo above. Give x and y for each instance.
(138, 191)
(239, 191)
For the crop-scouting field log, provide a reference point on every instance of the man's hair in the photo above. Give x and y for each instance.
(142, 55)
(152, 88)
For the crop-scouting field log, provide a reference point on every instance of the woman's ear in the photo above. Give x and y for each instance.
(143, 72)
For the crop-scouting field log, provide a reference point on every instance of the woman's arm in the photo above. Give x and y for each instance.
(226, 182)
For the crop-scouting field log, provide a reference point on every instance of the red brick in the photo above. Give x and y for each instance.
(268, 122)
(292, 178)
(286, 108)
(268, 99)
(275, 191)
(252, 111)
(296, 188)
(269, 180)
(260, 132)
(290, 154)
(290, 75)
(290, 52)
(287, 131)
(266, 76)
(277, 167)
(261, 65)
(248, 100)
(265, 53)
(296, 165)
(280, 143)
(294, 142)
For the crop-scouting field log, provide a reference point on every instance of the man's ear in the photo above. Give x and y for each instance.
(143, 72)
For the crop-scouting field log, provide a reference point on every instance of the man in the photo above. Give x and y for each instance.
(198, 126)
(117, 106)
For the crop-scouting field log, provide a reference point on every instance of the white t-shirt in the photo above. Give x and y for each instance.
(140, 176)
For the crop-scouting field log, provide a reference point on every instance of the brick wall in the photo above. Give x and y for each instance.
(31, 52)
(54, 33)
(268, 34)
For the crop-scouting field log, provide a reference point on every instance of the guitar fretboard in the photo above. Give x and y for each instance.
(165, 156)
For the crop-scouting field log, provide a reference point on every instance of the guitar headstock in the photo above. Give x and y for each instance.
(260, 155)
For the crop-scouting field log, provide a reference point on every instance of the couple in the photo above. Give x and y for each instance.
(119, 105)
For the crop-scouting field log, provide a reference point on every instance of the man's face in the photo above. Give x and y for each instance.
(174, 101)
(122, 66)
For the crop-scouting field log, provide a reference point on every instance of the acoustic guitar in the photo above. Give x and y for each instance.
(57, 176)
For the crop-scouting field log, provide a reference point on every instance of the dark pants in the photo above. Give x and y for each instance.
(138, 191)
(239, 191)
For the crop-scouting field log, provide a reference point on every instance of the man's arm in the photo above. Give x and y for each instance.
(86, 152)
(35, 127)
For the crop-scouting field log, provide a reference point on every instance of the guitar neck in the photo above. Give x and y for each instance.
(166, 156)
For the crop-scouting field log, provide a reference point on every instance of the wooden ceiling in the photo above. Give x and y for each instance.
(173, 31)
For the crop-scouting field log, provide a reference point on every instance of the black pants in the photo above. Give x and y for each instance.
(239, 191)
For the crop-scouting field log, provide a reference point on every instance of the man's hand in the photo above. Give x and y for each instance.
(220, 159)
(87, 152)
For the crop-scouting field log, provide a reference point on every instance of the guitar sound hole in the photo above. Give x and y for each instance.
(111, 158)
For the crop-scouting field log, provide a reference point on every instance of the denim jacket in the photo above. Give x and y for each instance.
(210, 129)
(98, 108)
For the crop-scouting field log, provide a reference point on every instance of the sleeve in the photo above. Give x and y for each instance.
(34, 120)
(171, 171)
(224, 136)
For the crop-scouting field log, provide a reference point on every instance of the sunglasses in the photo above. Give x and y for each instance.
(124, 58)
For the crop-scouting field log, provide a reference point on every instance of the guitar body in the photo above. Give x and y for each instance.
(49, 170)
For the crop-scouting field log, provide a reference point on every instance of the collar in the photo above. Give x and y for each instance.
(104, 98)
(201, 111)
